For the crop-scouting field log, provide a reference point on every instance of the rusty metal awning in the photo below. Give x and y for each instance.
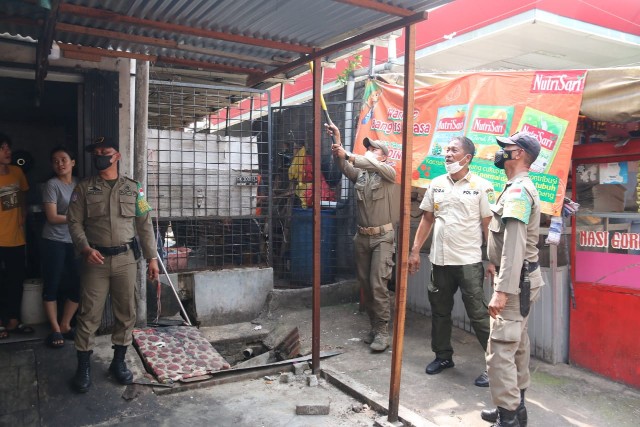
(242, 42)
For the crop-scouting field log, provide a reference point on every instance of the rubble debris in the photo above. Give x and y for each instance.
(299, 368)
(312, 380)
(287, 377)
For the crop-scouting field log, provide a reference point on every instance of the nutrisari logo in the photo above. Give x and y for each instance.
(490, 126)
(451, 124)
(558, 81)
(547, 139)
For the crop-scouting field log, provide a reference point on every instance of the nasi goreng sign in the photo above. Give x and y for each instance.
(482, 106)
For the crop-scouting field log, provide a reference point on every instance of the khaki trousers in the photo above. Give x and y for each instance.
(374, 265)
(508, 353)
(117, 276)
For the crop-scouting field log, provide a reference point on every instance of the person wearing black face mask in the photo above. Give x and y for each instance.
(513, 262)
(105, 214)
(456, 207)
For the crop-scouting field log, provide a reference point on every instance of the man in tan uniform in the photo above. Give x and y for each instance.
(456, 206)
(513, 257)
(374, 242)
(105, 214)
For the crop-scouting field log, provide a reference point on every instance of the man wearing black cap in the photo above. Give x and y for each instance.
(374, 243)
(105, 214)
(513, 258)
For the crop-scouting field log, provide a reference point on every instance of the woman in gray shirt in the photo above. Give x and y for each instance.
(58, 257)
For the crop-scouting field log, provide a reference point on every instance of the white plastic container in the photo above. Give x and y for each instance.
(32, 311)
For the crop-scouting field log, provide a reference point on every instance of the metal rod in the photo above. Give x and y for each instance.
(317, 185)
(164, 270)
(405, 218)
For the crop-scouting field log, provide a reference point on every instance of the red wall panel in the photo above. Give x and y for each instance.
(605, 331)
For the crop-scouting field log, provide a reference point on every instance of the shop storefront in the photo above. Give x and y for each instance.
(604, 327)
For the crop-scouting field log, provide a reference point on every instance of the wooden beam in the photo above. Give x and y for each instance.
(378, 7)
(152, 41)
(404, 22)
(45, 40)
(404, 234)
(71, 50)
(108, 15)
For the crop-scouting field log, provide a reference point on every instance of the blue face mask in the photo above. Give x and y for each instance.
(102, 162)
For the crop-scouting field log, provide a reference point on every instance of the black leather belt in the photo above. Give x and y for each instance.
(112, 250)
(532, 267)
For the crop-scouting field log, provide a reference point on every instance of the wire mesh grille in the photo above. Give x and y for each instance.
(292, 224)
(207, 177)
(231, 180)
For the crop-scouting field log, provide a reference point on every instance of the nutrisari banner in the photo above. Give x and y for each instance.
(482, 106)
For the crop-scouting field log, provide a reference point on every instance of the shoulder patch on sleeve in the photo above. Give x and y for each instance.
(516, 203)
(491, 195)
(142, 206)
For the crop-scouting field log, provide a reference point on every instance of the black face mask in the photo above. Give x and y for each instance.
(102, 162)
(502, 156)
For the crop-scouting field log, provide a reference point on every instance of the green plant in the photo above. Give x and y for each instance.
(353, 63)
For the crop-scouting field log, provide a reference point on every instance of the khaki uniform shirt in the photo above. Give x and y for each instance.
(514, 232)
(374, 183)
(104, 216)
(459, 208)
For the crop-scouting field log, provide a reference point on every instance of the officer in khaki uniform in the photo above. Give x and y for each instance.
(105, 213)
(513, 257)
(456, 206)
(374, 182)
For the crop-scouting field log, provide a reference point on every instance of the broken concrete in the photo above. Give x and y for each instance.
(313, 409)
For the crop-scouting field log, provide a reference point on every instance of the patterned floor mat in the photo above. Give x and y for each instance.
(177, 353)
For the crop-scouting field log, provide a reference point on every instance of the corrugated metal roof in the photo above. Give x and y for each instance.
(248, 37)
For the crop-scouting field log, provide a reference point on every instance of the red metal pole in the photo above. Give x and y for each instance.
(317, 185)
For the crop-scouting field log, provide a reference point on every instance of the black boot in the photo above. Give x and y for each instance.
(118, 367)
(82, 380)
(491, 415)
(506, 418)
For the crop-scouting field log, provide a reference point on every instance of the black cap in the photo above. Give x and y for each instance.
(102, 142)
(524, 140)
(376, 144)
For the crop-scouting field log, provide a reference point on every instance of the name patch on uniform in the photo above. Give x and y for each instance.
(438, 190)
(470, 192)
(126, 191)
(94, 189)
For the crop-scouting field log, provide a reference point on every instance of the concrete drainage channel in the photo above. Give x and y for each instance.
(256, 353)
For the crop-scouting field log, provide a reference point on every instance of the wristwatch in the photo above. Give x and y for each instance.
(347, 155)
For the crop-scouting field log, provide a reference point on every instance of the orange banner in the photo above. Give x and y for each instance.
(482, 106)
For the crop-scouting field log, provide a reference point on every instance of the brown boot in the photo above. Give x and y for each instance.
(381, 340)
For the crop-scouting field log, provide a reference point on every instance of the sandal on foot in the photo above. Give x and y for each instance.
(4, 334)
(55, 340)
(22, 329)
(70, 334)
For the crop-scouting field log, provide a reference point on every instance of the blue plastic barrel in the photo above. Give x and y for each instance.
(302, 246)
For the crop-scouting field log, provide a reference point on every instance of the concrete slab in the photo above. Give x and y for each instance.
(560, 395)
(35, 386)
(230, 296)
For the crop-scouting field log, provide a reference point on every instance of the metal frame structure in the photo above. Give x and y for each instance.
(209, 172)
